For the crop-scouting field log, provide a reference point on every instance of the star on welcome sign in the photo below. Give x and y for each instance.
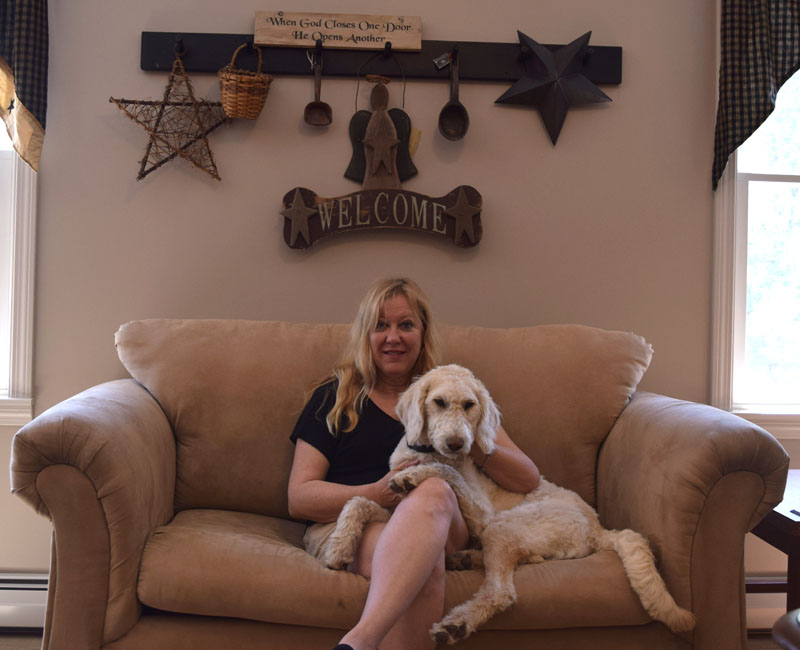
(462, 212)
(178, 124)
(298, 213)
(555, 83)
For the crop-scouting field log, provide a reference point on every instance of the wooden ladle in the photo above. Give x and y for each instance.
(453, 118)
(317, 113)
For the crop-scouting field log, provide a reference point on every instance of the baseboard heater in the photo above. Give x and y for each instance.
(23, 600)
(765, 600)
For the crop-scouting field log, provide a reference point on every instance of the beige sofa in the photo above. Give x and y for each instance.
(167, 492)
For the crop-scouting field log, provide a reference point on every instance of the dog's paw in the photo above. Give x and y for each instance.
(464, 560)
(448, 633)
(336, 559)
(401, 484)
(337, 563)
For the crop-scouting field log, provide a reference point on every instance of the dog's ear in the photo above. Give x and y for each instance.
(490, 419)
(411, 411)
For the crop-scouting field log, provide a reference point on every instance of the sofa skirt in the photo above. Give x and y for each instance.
(167, 632)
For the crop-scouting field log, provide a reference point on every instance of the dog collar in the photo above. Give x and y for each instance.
(423, 449)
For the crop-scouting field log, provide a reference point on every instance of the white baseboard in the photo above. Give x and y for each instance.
(764, 609)
(23, 599)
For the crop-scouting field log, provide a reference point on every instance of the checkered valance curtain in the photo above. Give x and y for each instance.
(23, 75)
(760, 49)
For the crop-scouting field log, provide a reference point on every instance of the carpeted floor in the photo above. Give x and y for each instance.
(10, 640)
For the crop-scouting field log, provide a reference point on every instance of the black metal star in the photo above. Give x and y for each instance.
(555, 82)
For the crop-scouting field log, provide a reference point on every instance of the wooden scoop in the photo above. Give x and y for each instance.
(453, 118)
(317, 113)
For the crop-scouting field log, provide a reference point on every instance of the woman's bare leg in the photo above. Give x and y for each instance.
(405, 557)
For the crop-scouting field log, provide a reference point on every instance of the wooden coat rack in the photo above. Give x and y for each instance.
(477, 61)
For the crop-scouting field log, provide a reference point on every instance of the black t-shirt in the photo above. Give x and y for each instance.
(359, 456)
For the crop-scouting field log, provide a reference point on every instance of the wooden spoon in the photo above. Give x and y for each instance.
(453, 118)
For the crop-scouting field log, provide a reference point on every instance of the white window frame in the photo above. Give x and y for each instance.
(16, 407)
(729, 309)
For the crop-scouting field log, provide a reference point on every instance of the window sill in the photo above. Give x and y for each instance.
(15, 412)
(784, 426)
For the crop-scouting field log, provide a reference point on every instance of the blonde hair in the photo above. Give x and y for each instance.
(356, 371)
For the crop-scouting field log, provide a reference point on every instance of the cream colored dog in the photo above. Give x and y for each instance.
(445, 412)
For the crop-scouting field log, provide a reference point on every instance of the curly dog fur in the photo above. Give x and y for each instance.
(445, 412)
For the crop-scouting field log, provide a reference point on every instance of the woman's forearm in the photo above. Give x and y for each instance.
(322, 501)
(509, 468)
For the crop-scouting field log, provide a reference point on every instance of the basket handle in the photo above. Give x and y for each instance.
(239, 49)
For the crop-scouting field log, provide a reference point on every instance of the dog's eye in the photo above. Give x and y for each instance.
(439, 402)
(468, 404)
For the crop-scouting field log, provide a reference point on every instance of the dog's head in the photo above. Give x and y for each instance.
(449, 409)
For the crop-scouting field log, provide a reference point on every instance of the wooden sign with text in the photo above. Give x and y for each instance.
(309, 218)
(345, 31)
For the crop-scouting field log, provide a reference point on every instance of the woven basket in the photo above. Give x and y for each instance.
(243, 92)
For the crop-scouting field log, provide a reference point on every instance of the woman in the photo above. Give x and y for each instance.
(344, 438)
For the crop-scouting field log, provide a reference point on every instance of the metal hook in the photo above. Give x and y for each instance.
(315, 56)
(179, 49)
(387, 50)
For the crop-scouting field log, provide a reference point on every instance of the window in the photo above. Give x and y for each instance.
(6, 159)
(768, 205)
(757, 274)
(17, 240)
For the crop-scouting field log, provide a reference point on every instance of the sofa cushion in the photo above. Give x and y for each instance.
(222, 563)
(560, 389)
(233, 390)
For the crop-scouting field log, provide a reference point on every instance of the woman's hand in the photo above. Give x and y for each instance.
(380, 491)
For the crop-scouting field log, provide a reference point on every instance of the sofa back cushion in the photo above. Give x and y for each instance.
(233, 390)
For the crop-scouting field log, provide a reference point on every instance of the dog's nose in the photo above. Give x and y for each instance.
(454, 444)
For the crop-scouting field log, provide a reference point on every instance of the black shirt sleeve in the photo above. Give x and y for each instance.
(311, 426)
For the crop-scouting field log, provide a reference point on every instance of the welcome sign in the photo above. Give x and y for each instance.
(344, 31)
(455, 216)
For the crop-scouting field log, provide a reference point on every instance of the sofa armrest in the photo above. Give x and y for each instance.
(694, 480)
(101, 467)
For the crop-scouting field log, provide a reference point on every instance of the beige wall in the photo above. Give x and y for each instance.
(612, 227)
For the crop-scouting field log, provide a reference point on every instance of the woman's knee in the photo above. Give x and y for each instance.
(436, 497)
(435, 494)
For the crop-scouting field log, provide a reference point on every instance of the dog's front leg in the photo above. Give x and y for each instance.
(475, 510)
(407, 479)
